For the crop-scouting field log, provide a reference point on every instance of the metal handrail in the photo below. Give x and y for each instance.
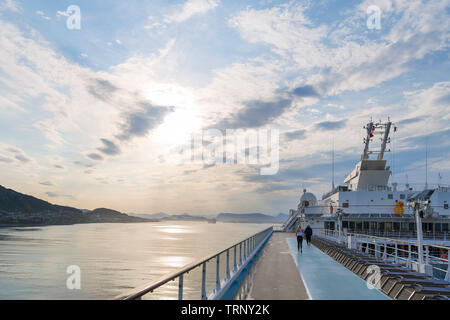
(393, 244)
(249, 243)
(362, 235)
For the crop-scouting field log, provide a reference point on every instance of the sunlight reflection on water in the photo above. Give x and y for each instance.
(113, 258)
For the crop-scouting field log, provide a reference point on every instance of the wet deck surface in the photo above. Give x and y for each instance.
(275, 275)
(326, 279)
(283, 273)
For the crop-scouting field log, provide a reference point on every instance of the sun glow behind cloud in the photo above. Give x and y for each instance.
(94, 119)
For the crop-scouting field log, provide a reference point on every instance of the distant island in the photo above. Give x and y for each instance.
(221, 217)
(17, 209)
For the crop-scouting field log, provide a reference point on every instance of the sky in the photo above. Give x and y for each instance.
(96, 108)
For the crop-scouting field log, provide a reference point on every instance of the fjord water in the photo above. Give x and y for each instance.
(113, 257)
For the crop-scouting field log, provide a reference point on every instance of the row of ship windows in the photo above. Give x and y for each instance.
(388, 226)
(346, 204)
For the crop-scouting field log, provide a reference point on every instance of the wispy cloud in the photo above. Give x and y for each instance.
(192, 8)
(10, 5)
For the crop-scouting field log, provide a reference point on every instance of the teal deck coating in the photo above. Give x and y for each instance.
(327, 279)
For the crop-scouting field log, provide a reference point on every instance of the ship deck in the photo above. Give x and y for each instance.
(283, 273)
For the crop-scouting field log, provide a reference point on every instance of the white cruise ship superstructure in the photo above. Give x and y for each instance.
(367, 203)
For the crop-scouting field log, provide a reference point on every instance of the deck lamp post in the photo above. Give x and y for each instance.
(420, 207)
(339, 214)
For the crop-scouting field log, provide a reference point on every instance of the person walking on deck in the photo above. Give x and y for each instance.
(299, 234)
(308, 234)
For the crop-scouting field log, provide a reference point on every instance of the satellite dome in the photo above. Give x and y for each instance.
(307, 199)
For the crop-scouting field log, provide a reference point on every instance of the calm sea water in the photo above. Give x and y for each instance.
(113, 258)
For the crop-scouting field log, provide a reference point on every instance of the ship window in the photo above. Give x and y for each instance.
(404, 226)
(396, 226)
(402, 196)
(345, 205)
(344, 224)
(445, 205)
(358, 226)
(437, 227)
(351, 226)
(390, 196)
(412, 226)
(366, 226)
(445, 227)
(389, 226)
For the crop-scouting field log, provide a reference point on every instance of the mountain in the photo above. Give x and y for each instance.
(173, 217)
(185, 217)
(251, 217)
(21, 209)
(12, 201)
(159, 215)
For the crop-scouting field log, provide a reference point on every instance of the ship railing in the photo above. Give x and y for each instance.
(427, 235)
(225, 268)
(404, 252)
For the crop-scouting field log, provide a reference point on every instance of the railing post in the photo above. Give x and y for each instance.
(180, 287)
(385, 251)
(234, 258)
(228, 263)
(240, 254)
(245, 250)
(218, 274)
(408, 263)
(396, 253)
(204, 281)
(447, 275)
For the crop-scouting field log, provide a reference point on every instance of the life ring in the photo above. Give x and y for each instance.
(444, 258)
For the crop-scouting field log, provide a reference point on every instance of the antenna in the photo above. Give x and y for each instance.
(332, 165)
(440, 179)
(426, 162)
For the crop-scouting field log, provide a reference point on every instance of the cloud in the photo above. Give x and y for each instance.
(62, 14)
(271, 187)
(139, 123)
(295, 135)
(21, 158)
(305, 91)
(42, 14)
(101, 89)
(331, 125)
(5, 159)
(57, 195)
(191, 8)
(82, 164)
(94, 156)
(17, 154)
(255, 114)
(10, 5)
(109, 148)
(409, 121)
(46, 183)
(445, 100)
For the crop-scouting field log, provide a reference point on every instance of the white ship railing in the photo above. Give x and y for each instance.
(242, 254)
(399, 251)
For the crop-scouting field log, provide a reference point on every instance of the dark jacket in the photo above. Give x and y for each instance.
(308, 231)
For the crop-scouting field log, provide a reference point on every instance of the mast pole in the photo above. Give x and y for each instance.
(385, 140)
(426, 162)
(365, 155)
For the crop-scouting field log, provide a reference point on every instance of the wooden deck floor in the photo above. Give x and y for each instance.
(275, 274)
